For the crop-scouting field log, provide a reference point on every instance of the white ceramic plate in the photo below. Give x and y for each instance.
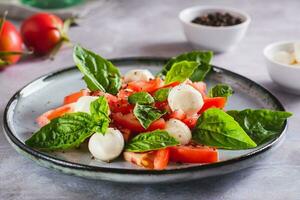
(48, 91)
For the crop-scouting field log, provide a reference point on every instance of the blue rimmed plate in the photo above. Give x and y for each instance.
(48, 91)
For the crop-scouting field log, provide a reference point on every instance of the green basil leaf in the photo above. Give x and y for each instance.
(261, 125)
(99, 74)
(220, 90)
(100, 114)
(201, 57)
(161, 94)
(149, 141)
(180, 71)
(141, 98)
(65, 132)
(218, 129)
(147, 114)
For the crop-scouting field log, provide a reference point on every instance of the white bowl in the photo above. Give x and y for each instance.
(286, 76)
(217, 39)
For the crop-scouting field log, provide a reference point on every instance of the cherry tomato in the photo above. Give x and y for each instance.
(42, 32)
(215, 102)
(193, 154)
(161, 159)
(130, 122)
(10, 42)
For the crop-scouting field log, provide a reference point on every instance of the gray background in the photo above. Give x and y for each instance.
(151, 28)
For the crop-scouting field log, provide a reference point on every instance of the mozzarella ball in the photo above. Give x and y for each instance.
(186, 98)
(284, 57)
(108, 146)
(138, 75)
(179, 131)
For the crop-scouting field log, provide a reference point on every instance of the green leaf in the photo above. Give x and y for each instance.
(218, 129)
(100, 114)
(72, 129)
(149, 141)
(161, 94)
(220, 90)
(141, 98)
(99, 74)
(261, 125)
(201, 57)
(147, 114)
(180, 71)
(65, 132)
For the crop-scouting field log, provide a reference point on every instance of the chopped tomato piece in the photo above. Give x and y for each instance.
(215, 102)
(191, 121)
(124, 93)
(170, 85)
(130, 122)
(72, 98)
(177, 114)
(163, 106)
(161, 159)
(52, 114)
(152, 160)
(193, 154)
(146, 86)
(145, 159)
(200, 86)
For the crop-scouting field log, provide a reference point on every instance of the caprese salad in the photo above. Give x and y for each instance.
(152, 120)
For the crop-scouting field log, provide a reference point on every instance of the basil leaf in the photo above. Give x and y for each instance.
(220, 90)
(218, 129)
(147, 114)
(100, 114)
(64, 132)
(180, 71)
(72, 129)
(149, 141)
(99, 74)
(141, 98)
(201, 57)
(161, 94)
(261, 125)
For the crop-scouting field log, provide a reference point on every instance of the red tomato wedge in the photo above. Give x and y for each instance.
(191, 121)
(193, 154)
(146, 86)
(72, 98)
(177, 114)
(161, 159)
(130, 122)
(215, 102)
(200, 86)
(157, 160)
(52, 114)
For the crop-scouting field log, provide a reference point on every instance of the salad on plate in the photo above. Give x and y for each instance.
(152, 120)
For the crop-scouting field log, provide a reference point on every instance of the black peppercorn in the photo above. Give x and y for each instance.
(217, 19)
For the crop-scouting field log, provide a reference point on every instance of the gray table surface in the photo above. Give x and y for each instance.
(151, 28)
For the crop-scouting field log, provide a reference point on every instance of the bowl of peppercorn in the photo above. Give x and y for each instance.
(214, 28)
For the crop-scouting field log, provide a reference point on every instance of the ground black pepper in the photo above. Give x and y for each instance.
(217, 19)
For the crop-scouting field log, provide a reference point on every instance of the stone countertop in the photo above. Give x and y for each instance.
(151, 28)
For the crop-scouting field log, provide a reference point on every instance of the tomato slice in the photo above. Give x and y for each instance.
(200, 86)
(52, 114)
(177, 114)
(157, 160)
(72, 98)
(215, 102)
(130, 122)
(193, 154)
(191, 121)
(146, 86)
(161, 159)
